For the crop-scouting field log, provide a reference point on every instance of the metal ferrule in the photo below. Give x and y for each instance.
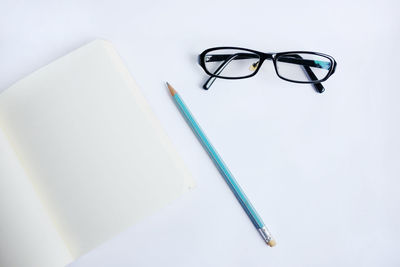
(266, 235)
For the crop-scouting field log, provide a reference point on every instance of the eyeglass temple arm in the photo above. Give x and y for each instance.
(311, 76)
(296, 59)
(288, 59)
(221, 67)
(228, 58)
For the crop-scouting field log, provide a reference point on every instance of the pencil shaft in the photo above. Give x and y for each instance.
(230, 180)
(223, 169)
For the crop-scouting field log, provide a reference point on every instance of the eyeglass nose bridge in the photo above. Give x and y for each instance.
(262, 57)
(268, 56)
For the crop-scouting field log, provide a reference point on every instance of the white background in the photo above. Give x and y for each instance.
(322, 169)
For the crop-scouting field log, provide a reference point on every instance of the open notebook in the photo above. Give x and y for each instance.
(82, 157)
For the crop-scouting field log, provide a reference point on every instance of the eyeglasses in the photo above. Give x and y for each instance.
(241, 63)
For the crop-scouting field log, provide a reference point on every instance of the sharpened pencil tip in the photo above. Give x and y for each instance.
(171, 89)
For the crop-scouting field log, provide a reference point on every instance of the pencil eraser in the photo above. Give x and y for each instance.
(271, 243)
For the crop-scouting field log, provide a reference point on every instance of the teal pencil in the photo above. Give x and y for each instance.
(223, 169)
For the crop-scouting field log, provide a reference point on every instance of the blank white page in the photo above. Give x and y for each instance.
(94, 151)
(27, 234)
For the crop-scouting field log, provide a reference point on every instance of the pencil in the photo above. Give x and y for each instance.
(223, 169)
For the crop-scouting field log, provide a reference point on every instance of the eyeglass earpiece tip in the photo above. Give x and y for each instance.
(319, 87)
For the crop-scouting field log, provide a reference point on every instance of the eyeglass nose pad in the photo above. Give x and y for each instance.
(254, 66)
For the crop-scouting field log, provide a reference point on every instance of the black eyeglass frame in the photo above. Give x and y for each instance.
(270, 56)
